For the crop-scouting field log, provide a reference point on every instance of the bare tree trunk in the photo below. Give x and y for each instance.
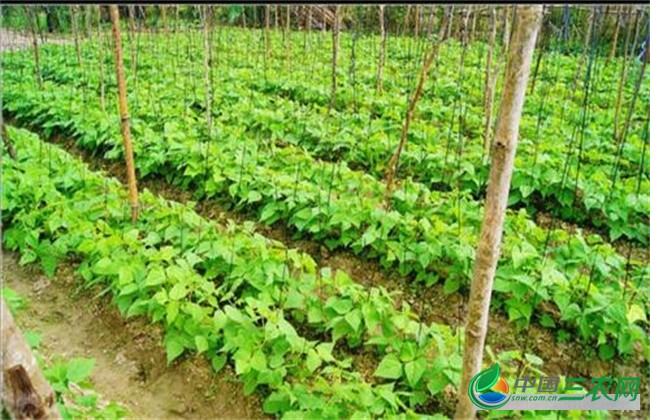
(506, 30)
(335, 53)
(275, 10)
(124, 112)
(309, 13)
(163, 16)
(75, 33)
(287, 37)
(131, 34)
(406, 20)
(394, 160)
(417, 22)
(624, 67)
(382, 51)
(503, 155)
(488, 98)
(267, 35)
(100, 40)
(32, 23)
(585, 47)
(450, 20)
(541, 48)
(612, 51)
(207, 63)
(89, 26)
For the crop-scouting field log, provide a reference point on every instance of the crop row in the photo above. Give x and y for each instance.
(431, 235)
(226, 292)
(573, 185)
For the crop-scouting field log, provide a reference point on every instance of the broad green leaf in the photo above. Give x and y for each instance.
(79, 369)
(390, 367)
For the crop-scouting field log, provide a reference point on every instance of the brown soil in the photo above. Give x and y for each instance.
(131, 363)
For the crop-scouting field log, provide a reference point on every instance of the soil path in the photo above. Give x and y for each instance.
(131, 365)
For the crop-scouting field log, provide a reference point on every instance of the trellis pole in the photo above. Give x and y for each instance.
(503, 155)
(124, 112)
(394, 161)
(382, 50)
(335, 53)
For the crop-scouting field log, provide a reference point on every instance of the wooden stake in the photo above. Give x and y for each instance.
(75, 32)
(394, 160)
(612, 51)
(124, 112)
(503, 155)
(335, 54)
(207, 62)
(585, 47)
(100, 40)
(33, 23)
(624, 67)
(382, 51)
(267, 35)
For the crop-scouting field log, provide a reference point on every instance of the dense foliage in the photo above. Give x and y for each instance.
(279, 153)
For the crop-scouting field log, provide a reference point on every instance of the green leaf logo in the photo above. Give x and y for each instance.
(482, 382)
(487, 378)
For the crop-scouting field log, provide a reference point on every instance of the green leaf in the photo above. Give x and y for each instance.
(313, 360)
(606, 351)
(451, 286)
(276, 403)
(258, 361)
(174, 348)
(155, 276)
(414, 370)
(178, 292)
(79, 369)
(635, 313)
(390, 367)
(172, 311)
(218, 362)
(201, 343)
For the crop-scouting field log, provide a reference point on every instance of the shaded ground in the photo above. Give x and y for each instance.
(131, 365)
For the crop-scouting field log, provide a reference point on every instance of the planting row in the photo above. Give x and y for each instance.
(573, 181)
(430, 235)
(227, 292)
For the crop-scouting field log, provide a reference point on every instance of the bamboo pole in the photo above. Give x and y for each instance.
(124, 112)
(75, 33)
(394, 160)
(335, 54)
(503, 155)
(33, 24)
(382, 51)
(267, 35)
(207, 62)
(100, 40)
(624, 68)
(617, 27)
(585, 47)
